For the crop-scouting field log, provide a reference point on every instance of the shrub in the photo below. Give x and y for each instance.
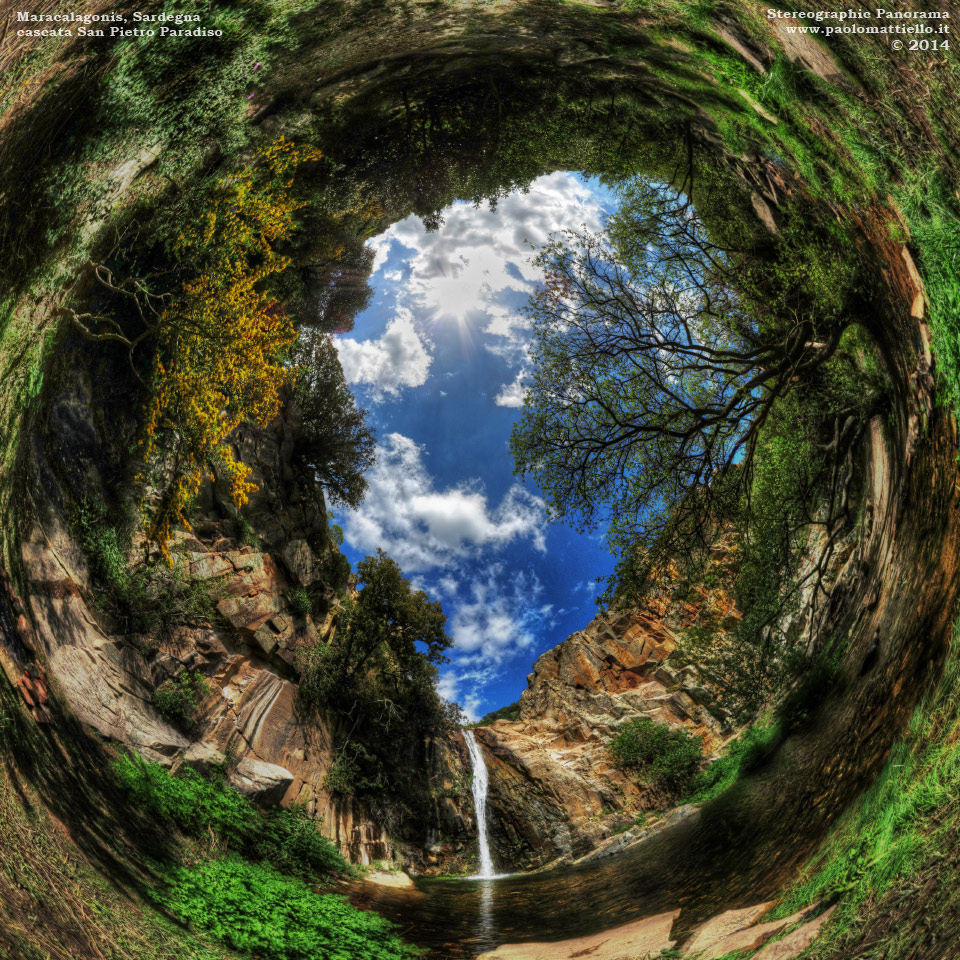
(287, 838)
(662, 756)
(300, 602)
(144, 598)
(256, 910)
(291, 841)
(187, 801)
(179, 697)
(245, 532)
(510, 712)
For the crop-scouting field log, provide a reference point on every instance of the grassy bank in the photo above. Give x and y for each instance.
(120, 860)
(900, 835)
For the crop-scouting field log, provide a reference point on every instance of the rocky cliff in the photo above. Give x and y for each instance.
(554, 793)
(249, 716)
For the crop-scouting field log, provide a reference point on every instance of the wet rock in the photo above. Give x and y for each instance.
(392, 878)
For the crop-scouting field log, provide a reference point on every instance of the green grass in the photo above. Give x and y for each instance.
(258, 911)
(931, 212)
(210, 807)
(55, 899)
(899, 823)
(743, 755)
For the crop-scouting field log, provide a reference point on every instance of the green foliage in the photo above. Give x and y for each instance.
(147, 599)
(639, 821)
(287, 838)
(290, 840)
(743, 756)
(664, 357)
(335, 569)
(932, 212)
(510, 712)
(245, 532)
(901, 822)
(662, 756)
(49, 891)
(187, 801)
(257, 910)
(178, 698)
(796, 489)
(334, 444)
(379, 673)
(300, 602)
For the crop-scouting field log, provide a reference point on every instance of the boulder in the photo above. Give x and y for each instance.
(796, 941)
(706, 945)
(726, 923)
(298, 558)
(263, 782)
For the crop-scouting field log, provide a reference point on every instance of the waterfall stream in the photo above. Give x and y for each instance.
(480, 783)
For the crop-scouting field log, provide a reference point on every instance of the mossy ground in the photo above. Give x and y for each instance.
(74, 855)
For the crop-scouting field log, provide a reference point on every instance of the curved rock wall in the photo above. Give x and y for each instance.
(252, 718)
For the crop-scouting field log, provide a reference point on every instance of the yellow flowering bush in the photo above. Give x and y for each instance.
(222, 340)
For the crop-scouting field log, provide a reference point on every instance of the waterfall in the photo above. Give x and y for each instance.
(480, 782)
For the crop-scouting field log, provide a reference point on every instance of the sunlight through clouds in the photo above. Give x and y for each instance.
(476, 269)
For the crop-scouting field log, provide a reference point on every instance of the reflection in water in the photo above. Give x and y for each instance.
(485, 924)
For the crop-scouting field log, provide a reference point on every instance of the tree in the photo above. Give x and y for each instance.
(657, 358)
(336, 285)
(664, 757)
(379, 676)
(334, 444)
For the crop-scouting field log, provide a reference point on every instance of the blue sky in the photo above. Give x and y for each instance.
(437, 358)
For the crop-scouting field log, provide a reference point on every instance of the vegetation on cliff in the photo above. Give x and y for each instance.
(665, 757)
(891, 851)
(379, 676)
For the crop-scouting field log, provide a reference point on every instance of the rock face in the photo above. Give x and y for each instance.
(642, 938)
(251, 719)
(553, 791)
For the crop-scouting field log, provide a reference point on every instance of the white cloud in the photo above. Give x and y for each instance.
(423, 527)
(490, 275)
(511, 394)
(400, 358)
(449, 687)
(499, 617)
